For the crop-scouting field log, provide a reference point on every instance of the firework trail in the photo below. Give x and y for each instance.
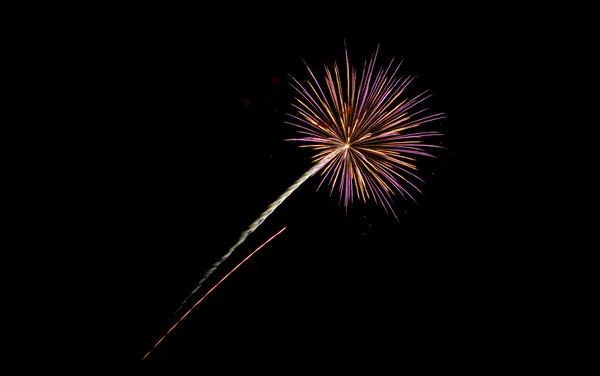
(209, 291)
(359, 130)
(255, 225)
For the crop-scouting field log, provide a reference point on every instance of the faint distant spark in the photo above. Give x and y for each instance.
(209, 291)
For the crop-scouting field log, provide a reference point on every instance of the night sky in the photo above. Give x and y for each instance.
(197, 152)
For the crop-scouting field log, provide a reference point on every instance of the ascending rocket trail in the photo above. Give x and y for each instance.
(258, 222)
(209, 291)
(363, 132)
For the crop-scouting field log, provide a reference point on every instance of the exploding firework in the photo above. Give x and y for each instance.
(361, 129)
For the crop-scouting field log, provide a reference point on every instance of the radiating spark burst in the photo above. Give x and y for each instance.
(360, 133)
(363, 127)
(209, 291)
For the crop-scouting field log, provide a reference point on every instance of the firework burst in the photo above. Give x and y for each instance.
(362, 129)
(363, 132)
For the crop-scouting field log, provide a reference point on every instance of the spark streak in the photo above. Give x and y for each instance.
(209, 291)
(258, 222)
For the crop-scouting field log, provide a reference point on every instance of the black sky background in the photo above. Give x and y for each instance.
(183, 167)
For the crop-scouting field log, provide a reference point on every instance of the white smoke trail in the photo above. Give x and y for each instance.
(257, 223)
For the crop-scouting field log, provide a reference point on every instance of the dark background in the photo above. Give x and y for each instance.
(189, 119)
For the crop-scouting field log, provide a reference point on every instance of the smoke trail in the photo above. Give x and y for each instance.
(257, 223)
(209, 291)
